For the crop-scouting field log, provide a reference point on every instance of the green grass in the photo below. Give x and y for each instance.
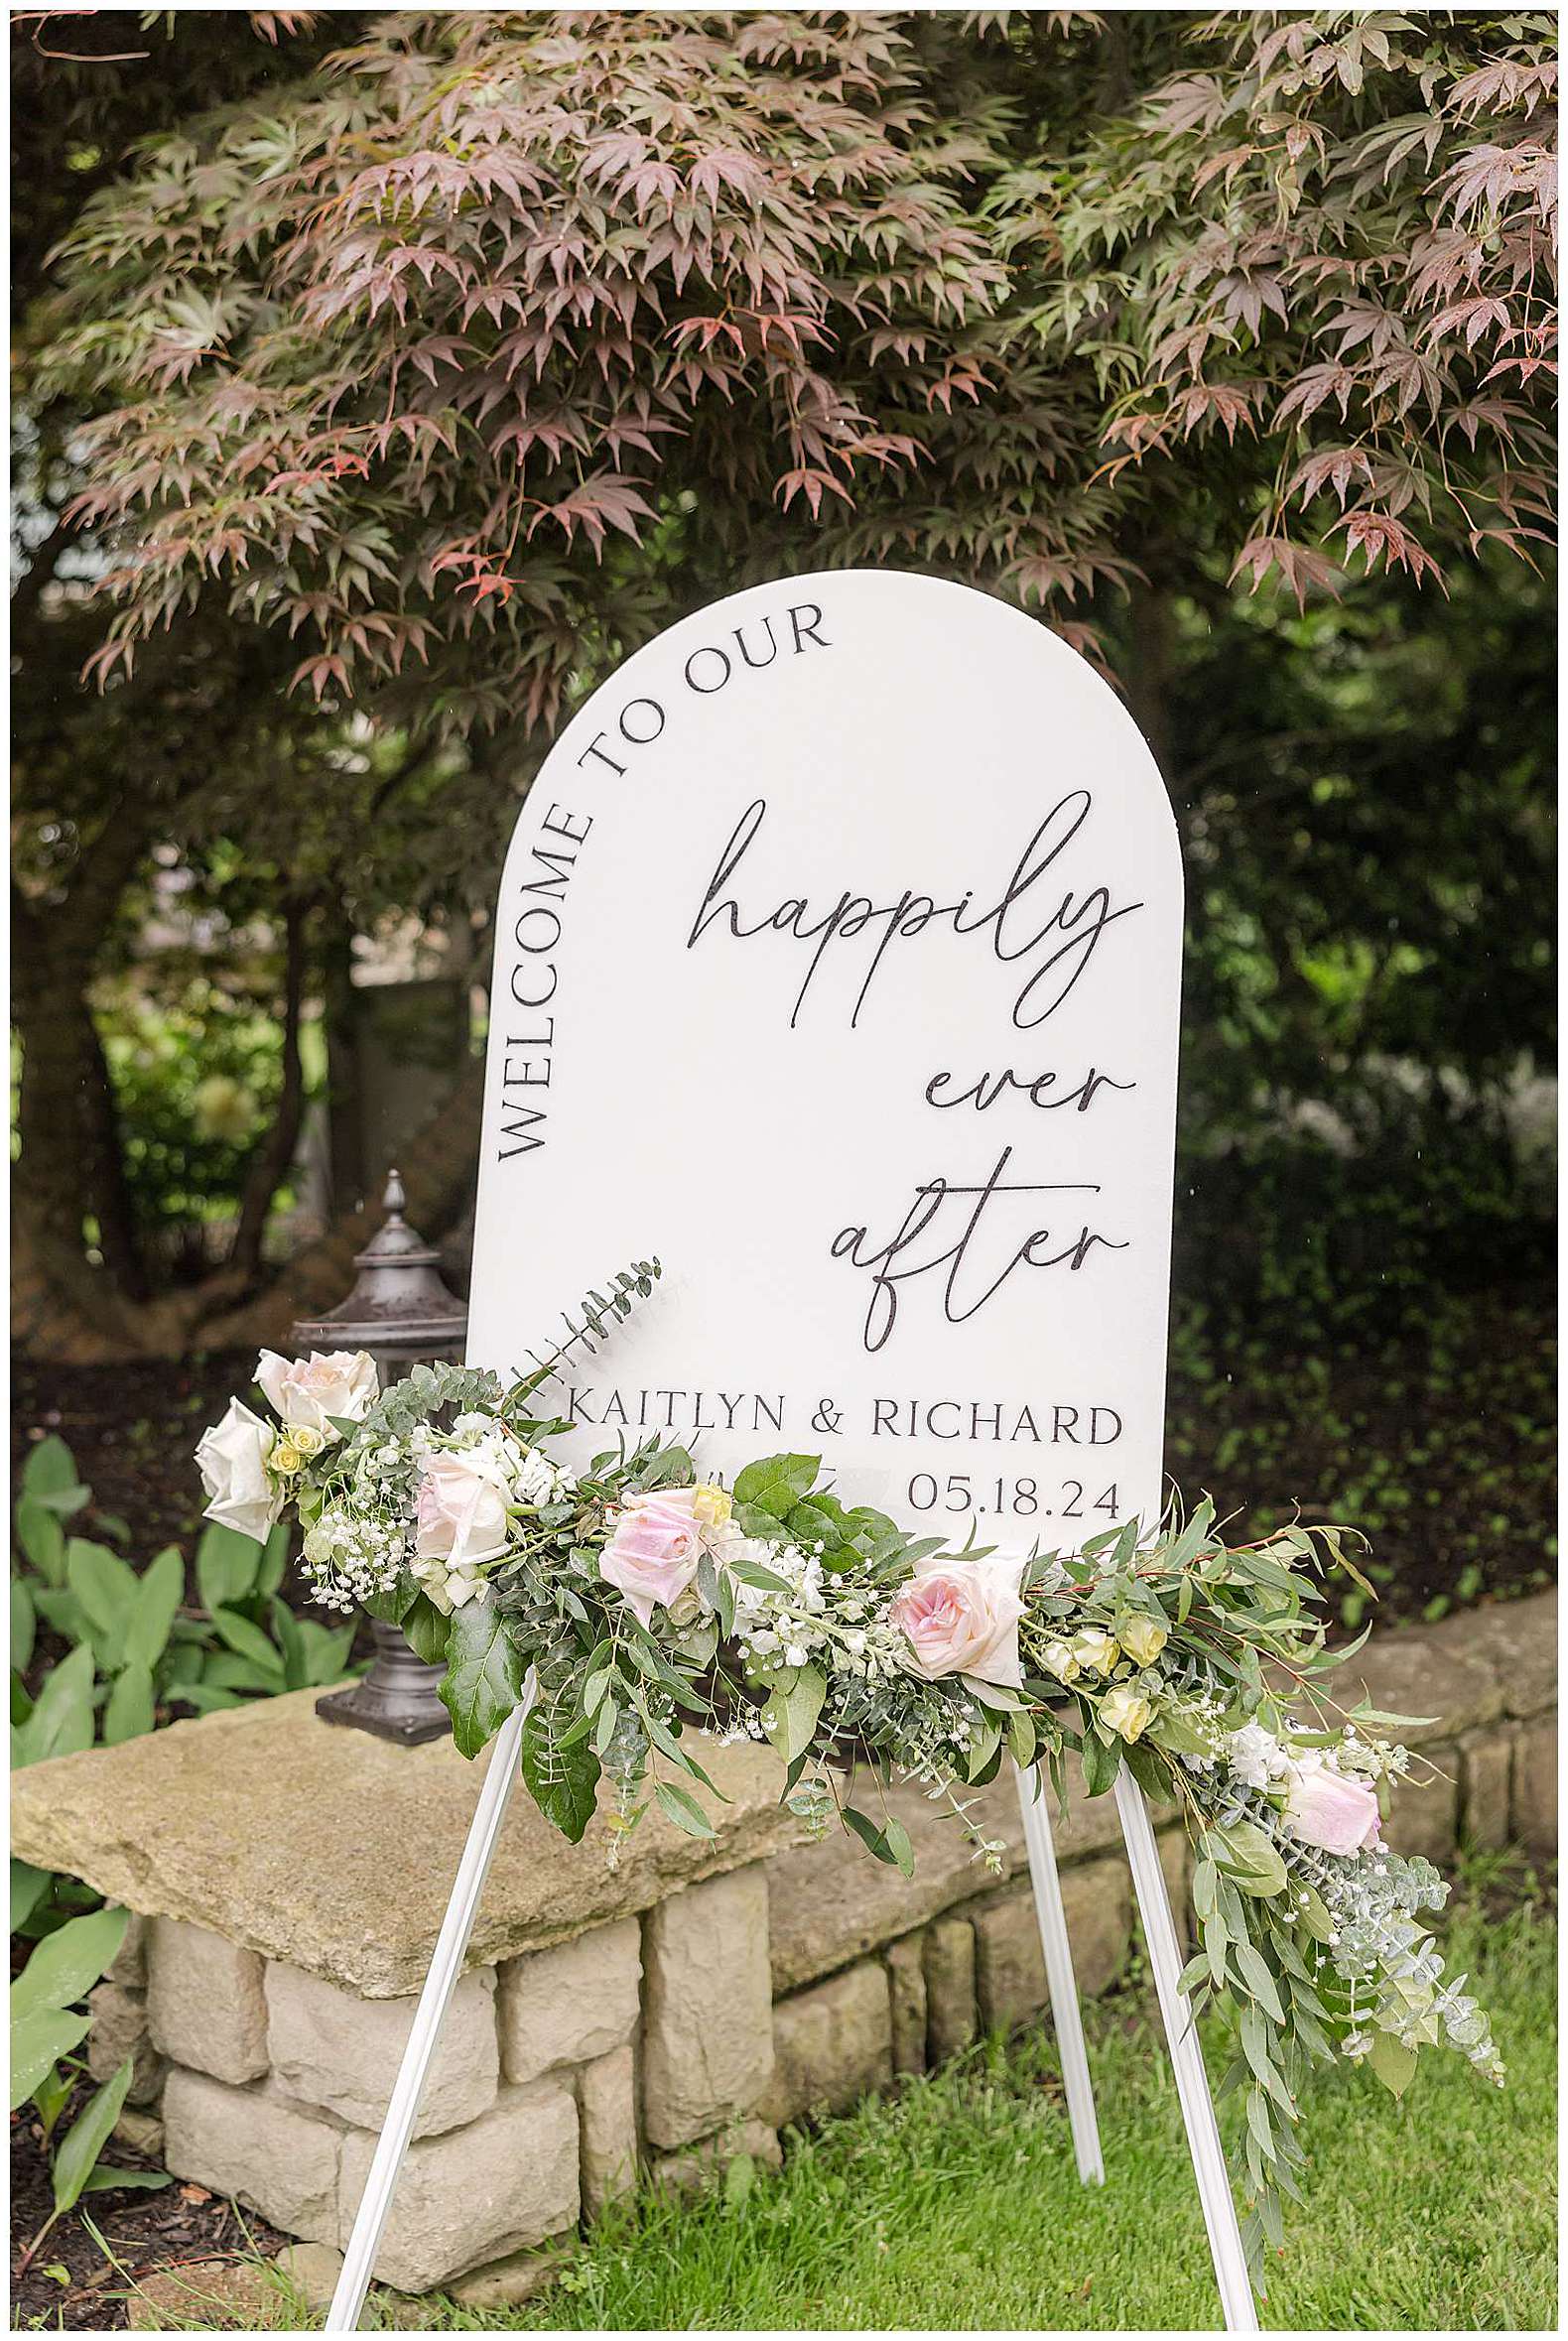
(956, 2205)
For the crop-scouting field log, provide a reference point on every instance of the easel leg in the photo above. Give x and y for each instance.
(1066, 2010)
(444, 1968)
(1192, 2080)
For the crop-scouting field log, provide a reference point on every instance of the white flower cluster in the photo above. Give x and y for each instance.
(351, 1555)
(835, 1621)
(1257, 1758)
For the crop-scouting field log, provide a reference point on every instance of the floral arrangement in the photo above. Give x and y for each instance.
(648, 1600)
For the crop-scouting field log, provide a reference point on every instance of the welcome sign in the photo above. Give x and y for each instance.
(838, 962)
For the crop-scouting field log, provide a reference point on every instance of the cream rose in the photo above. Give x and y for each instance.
(232, 1458)
(962, 1617)
(1125, 1712)
(459, 1510)
(312, 1391)
(1096, 1650)
(1057, 1658)
(1142, 1638)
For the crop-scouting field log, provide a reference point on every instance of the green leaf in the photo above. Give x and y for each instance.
(249, 1643)
(1247, 1855)
(1258, 1980)
(484, 1680)
(28, 1889)
(69, 1962)
(680, 1806)
(77, 2153)
(106, 1587)
(274, 1560)
(875, 1840)
(290, 1644)
(1100, 1763)
(42, 1538)
(103, 2180)
(23, 1624)
(775, 1483)
(226, 1566)
(900, 1845)
(130, 1710)
(1392, 2062)
(159, 1593)
(794, 1703)
(667, 1466)
(52, 2096)
(38, 2042)
(61, 1723)
(425, 1629)
(49, 1478)
(563, 1782)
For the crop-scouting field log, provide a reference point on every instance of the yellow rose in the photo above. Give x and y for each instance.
(303, 1439)
(1142, 1638)
(1096, 1650)
(711, 1504)
(1126, 1712)
(1059, 1660)
(286, 1458)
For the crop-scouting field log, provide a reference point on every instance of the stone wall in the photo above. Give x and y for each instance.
(663, 2016)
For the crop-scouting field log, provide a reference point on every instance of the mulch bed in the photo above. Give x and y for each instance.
(74, 2284)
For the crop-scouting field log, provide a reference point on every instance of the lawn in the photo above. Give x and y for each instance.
(956, 2205)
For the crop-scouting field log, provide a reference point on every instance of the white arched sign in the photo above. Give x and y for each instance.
(837, 961)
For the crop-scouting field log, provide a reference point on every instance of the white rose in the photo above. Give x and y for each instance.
(312, 1391)
(232, 1460)
(1059, 1660)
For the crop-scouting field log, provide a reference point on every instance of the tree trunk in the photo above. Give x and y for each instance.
(342, 1070)
(1152, 639)
(272, 1156)
(70, 1164)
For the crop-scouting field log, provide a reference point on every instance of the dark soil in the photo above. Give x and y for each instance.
(133, 1430)
(74, 2284)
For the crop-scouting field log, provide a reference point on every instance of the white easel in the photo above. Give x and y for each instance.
(1159, 1931)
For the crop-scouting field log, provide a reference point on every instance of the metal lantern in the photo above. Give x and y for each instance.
(402, 1313)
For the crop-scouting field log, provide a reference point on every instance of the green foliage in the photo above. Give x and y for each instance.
(196, 1082)
(1222, 251)
(134, 1648)
(47, 2024)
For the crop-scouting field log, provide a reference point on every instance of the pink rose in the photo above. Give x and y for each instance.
(653, 1552)
(962, 1617)
(459, 1512)
(1330, 1809)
